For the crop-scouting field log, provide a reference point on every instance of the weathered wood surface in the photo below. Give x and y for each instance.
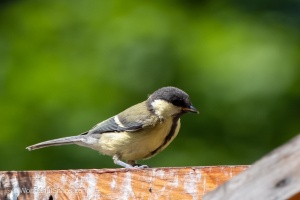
(275, 176)
(152, 183)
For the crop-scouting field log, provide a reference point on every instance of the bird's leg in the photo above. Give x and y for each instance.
(129, 164)
(117, 161)
(135, 164)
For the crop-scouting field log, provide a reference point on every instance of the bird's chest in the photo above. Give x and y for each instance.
(149, 142)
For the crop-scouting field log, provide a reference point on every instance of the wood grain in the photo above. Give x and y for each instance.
(152, 183)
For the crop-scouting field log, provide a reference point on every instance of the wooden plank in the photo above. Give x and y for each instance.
(152, 183)
(275, 176)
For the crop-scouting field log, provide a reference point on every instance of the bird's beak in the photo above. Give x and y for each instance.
(191, 109)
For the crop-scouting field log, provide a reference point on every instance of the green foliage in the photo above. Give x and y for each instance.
(67, 65)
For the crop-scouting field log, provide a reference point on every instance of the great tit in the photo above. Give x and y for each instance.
(139, 132)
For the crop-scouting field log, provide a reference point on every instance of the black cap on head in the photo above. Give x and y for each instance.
(175, 96)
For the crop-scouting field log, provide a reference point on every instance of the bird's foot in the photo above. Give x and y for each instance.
(140, 166)
(129, 164)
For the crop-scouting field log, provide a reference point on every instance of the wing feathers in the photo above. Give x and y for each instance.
(132, 119)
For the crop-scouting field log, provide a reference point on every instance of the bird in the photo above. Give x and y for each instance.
(139, 132)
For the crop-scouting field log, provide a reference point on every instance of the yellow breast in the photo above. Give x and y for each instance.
(141, 144)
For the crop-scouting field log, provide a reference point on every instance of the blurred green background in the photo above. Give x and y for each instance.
(67, 65)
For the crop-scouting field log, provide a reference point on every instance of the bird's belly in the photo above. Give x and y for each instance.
(141, 144)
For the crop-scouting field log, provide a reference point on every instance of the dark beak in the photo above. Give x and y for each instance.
(191, 109)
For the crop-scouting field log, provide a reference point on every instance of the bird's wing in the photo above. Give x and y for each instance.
(132, 119)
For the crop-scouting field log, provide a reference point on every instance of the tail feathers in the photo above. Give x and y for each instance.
(56, 142)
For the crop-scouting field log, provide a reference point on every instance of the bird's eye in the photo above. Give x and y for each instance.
(178, 102)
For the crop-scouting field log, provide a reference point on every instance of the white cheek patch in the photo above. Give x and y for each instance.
(164, 109)
(159, 106)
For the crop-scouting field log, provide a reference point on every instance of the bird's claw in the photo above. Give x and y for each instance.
(140, 166)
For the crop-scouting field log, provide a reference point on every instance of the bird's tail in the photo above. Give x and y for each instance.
(56, 142)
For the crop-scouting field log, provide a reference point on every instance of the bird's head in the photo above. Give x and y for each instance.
(170, 101)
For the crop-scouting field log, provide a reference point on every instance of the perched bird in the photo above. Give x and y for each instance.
(139, 132)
